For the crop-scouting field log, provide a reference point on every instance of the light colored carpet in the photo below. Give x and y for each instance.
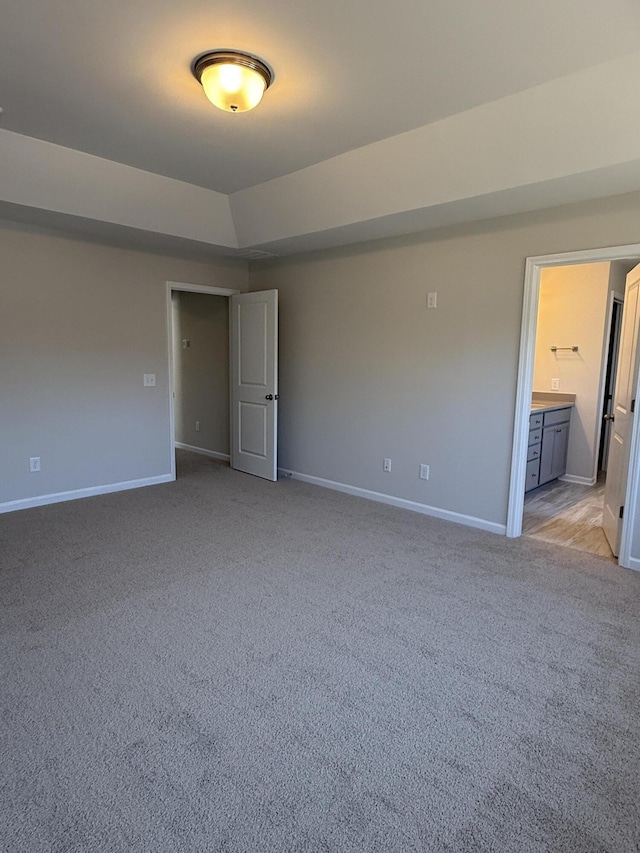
(225, 664)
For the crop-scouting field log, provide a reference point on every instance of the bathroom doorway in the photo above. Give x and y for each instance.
(552, 364)
(574, 354)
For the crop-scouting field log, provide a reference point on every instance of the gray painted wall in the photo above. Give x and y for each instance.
(201, 379)
(79, 326)
(366, 371)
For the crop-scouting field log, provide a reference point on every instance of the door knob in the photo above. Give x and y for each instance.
(269, 397)
(609, 418)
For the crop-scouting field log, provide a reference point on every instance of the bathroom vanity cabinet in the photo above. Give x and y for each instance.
(548, 443)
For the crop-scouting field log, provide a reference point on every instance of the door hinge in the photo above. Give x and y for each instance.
(633, 405)
(621, 511)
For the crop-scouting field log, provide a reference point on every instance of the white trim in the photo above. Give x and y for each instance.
(533, 270)
(586, 256)
(633, 491)
(634, 563)
(391, 500)
(202, 451)
(91, 491)
(581, 481)
(523, 398)
(189, 288)
(202, 288)
(172, 413)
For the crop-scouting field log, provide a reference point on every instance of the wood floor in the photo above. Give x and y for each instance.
(567, 514)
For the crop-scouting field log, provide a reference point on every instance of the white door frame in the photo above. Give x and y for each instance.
(211, 290)
(533, 271)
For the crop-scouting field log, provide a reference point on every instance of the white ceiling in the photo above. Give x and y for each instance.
(383, 117)
(113, 78)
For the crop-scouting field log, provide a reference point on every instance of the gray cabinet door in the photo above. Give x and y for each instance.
(546, 455)
(547, 459)
(553, 458)
(560, 447)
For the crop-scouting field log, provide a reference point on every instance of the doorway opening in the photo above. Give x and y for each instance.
(198, 337)
(554, 368)
(250, 412)
(574, 354)
(200, 350)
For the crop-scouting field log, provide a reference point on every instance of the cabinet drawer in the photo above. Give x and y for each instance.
(533, 452)
(560, 416)
(535, 420)
(533, 473)
(535, 436)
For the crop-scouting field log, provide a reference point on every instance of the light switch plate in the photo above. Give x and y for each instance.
(149, 380)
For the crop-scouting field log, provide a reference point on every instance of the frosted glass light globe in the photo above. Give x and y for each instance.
(232, 81)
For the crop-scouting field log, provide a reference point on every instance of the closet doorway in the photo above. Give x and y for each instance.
(241, 426)
(200, 355)
(198, 344)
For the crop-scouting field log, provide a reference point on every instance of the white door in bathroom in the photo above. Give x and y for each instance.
(623, 413)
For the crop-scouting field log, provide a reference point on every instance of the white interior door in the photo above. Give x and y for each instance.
(254, 383)
(624, 404)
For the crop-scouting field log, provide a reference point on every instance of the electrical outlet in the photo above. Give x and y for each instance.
(432, 300)
(387, 465)
(197, 426)
(555, 384)
(34, 464)
(424, 472)
(149, 380)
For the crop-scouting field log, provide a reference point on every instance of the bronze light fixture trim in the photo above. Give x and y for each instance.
(233, 81)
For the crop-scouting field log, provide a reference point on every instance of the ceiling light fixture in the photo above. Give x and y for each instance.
(232, 81)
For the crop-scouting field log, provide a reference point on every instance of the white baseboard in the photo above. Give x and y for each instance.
(213, 454)
(581, 481)
(75, 494)
(414, 506)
